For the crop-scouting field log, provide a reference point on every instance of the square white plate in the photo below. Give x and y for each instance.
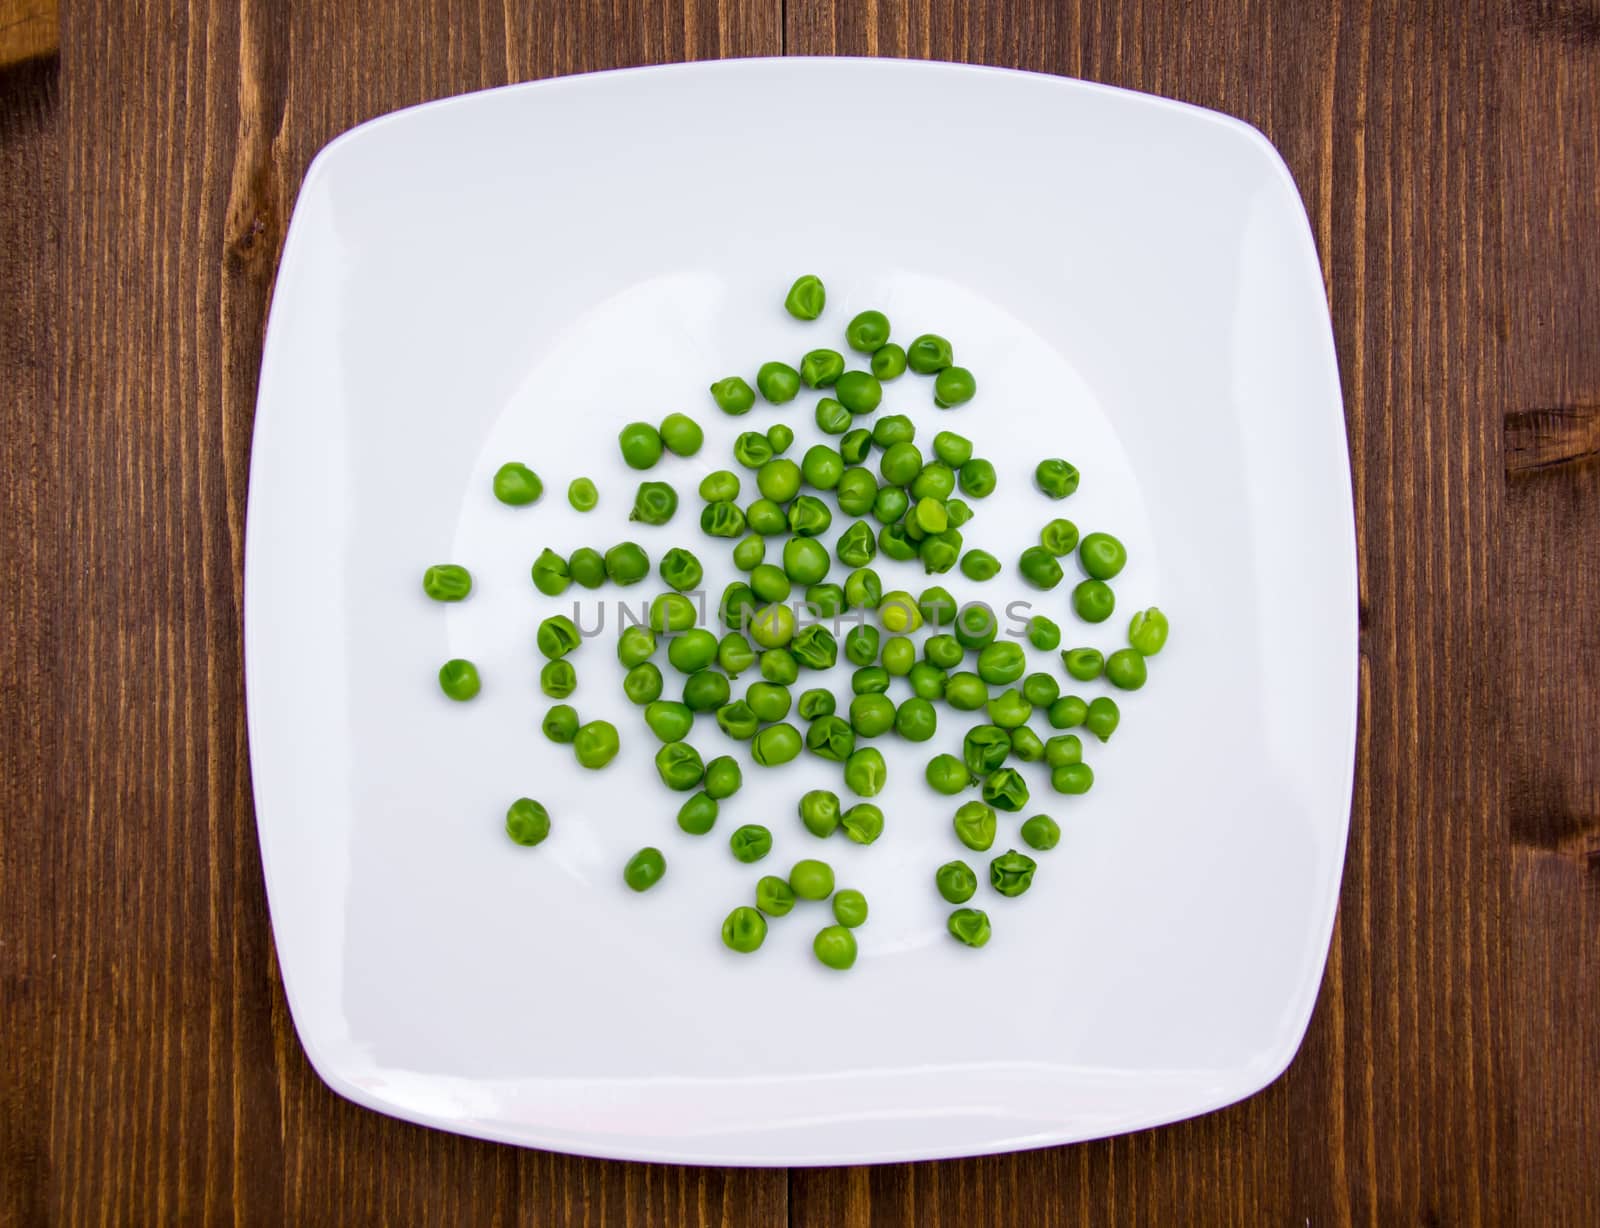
(517, 273)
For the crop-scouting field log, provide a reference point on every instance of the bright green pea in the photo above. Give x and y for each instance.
(890, 505)
(1067, 712)
(774, 896)
(855, 446)
(1093, 601)
(820, 368)
(822, 467)
(1063, 749)
(806, 560)
(769, 583)
(1040, 690)
(816, 702)
(806, 297)
(850, 908)
(558, 679)
(1002, 664)
(832, 418)
(560, 724)
(859, 391)
(678, 763)
(778, 382)
(776, 744)
(898, 612)
(939, 551)
(766, 518)
(975, 825)
(773, 625)
(557, 636)
(1041, 833)
(976, 626)
(1084, 664)
(862, 823)
(830, 737)
(966, 692)
(681, 569)
(625, 563)
(956, 881)
(527, 822)
(937, 606)
(681, 434)
(734, 654)
(698, 815)
(867, 332)
(744, 930)
(835, 947)
(915, 720)
(642, 684)
(671, 612)
(1009, 709)
(947, 774)
(669, 721)
(814, 646)
(705, 691)
(871, 714)
(1059, 537)
(856, 546)
(865, 772)
(1056, 478)
(752, 449)
(448, 582)
(551, 574)
(953, 386)
(516, 484)
(778, 480)
(899, 655)
(952, 450)
(640, 444)
(977, 478)
(1147, 633)
(856, 492)
(819, 812)
(1072, 778)
(778, 665)
(750, 843)
(869, 680)
(935, 481)
(1011, 873)
(738, 721)
(1103, 717)
(892, 429)
(929, 354)
(1006, 790)
(596, 744)
(1039, 567)
(1027, 745)
(635, 646)
(984, 749)
(1101, 556)
(779, 436)
(768, 700)
(811, 879)
(943, 651)
(1043, 633)
(1125, 669)
(723, 777)
(900, 464)
(927, 681)
(933, 519)
(722, 520)
(861, 644)
(720, 487)
(748, 553)
(969, 926)
(824, 601)
(809, 516)
(979, 565)
(959, 511)
(733, 396)
(644, 869)
(888, 361)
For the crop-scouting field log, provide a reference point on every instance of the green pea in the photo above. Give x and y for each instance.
(976, 625)
(1039, 567)
(1040, 690)
(871, 714)
(862, 823)
(626, 563)
(1072, 778)
(596, 744)
(669, 721)
(937, 606)
(560, 724)
(865, 772)
(723, 777)
(640, 444)
(979, 565)
(898, 612)
(977, 478)
(927, 681)
(705, 691)
(930, 516)
(557, 636)
(744, 930)
(867, 332)
(890, 504)
(644, 869)
(850, 908)
(819, 812)
(929, 354)
(1125, 669)
(975, 825)
(1041, 833)
(814, 646)
(869, 680)
(558, 679)
(720, 487)
(1002, 664)
(734, 654)
(947, 774)
(1026, 745)
(766, 517)
(750, 843)
(768, 700)
(752, 449)
(824, 600)
(1043, 633)
(806, 298)
(984, 749)
(832, 418)
(953, 386)
(939, 552)
(835, 947)
(809, 516)
(861, 645)
(1093, 601)
(956, 881)
(778, 382)
(900, 463)
(856, 492)
(899, 655)
(738, 721)
(952, 450)
(778, 480)
(551, 575)
(1056, 478)
(749, 552)
(680, 569)
(678, 763)
(822, 467)
(816, 702)
(769, 583)
(722, 520)
(773, 626)
(856, 546)
(805, 560)
(698, 815)
(966, 692)
(915, 720)
(888, 361)
(810, 879)
(855, 446)
(1006, 790)
(516, 484)
(527, 822)
(1068, 712)
(859, 391)
(778, 665)
(969, 926)
(642, 684)
(776, 744)
(935, 481)
(1102, 556)
(1147, 633)
(1102, 717)
(1084, 664)
(774, 896)
(959, 511)
(779, 436)
(733, 396)
(671, 612)
(944, 651)
(1011, 873)
(1059, 537)
(1063, 749)
(448, 582)
(820, 368)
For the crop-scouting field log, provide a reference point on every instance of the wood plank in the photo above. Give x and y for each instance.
(29, 30)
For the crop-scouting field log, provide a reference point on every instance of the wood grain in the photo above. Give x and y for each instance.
(29, 30)
(1449, 156)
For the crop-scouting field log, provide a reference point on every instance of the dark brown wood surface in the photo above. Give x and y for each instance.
(1449, 154)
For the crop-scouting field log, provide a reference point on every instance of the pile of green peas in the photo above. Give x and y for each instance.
(906, 506)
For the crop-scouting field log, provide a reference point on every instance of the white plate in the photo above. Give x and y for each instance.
(516, 274)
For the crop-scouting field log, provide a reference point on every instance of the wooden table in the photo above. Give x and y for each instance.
(1449, 154)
